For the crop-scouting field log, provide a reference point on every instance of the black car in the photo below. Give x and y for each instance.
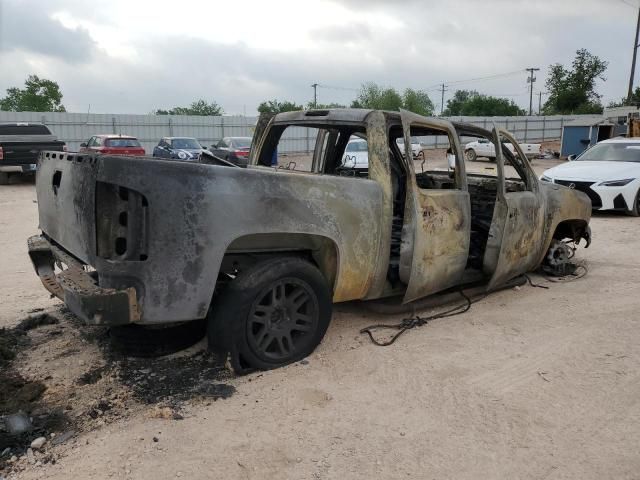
(187, 149)
(20, 145)
(233, 149)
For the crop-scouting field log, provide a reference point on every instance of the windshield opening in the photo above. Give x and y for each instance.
(612, 152)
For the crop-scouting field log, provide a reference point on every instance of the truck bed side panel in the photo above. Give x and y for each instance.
(195, 211)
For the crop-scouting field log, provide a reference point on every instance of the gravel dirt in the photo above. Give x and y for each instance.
(530, 383)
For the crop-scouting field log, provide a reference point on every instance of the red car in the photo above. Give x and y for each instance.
(112, 145)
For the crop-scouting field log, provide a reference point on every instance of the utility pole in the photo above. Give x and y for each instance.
(442, 99)
(530, 80)
(315, 95)
(633, 61)
(540, 102)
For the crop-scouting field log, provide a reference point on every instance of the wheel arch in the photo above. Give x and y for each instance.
(322, 251)
(573, 228)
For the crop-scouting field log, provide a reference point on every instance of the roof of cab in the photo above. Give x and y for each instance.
(330, 115)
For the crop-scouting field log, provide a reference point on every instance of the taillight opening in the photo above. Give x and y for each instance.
(121, 223)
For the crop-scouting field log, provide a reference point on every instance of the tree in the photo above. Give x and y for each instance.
(274, 106)
(373, 96)
(457, 102)
(199, 107)
(324, 106)
(417, 101)
(635, 100)
(573, 90)
(39, 95)
(472, 103)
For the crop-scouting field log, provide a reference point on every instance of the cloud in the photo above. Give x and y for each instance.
(136, 57)
(342, 33)
(27, 27)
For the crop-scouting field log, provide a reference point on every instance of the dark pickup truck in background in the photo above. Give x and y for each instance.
(20, 145)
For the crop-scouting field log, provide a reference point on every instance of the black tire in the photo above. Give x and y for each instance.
(155, 341)
(274, 313)
(471, 155)
(4, 178)
(635, 210)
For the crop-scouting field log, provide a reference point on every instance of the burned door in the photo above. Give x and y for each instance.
(516, 228)
(436, 225)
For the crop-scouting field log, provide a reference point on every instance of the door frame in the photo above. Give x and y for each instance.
(437, 223)
(518, 220)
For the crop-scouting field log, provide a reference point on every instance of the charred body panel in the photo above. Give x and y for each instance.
(196, 212)
(436, 229)
(153, 239)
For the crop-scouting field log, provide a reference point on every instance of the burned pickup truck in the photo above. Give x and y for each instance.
(262, 252)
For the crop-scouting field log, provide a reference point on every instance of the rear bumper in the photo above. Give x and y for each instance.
(78, 288)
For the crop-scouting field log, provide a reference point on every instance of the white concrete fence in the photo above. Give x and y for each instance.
(75, 128)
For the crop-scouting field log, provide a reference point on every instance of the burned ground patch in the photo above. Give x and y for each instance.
(25, 415)
(61, 377)
(176, 379)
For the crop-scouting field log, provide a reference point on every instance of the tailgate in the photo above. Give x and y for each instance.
(65, 186)
(26, 153)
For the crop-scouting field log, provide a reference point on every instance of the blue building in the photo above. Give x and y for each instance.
(582, 133)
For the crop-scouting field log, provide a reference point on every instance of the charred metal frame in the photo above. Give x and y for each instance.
(190, 225)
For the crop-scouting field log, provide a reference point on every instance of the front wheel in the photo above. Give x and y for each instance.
(274, 313)
(634, 211)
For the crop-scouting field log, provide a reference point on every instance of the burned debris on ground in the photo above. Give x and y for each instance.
(110, 386)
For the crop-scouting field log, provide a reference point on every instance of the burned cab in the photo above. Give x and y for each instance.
(263, 252)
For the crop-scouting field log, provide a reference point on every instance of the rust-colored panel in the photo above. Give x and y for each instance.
(437, 224)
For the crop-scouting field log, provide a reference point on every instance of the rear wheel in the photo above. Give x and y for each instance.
(4, 178)
(274, 313)
(471, 155)
(635, 210)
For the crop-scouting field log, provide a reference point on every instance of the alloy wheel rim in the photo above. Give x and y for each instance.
(283, 319)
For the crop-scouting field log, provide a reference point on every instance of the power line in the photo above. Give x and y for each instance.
(334, 87)
(437, 86)
(478, 79)
(630, 4)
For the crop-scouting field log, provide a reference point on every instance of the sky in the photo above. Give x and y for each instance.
(117, 56)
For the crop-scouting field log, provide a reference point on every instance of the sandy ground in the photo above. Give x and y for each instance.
(530, 383)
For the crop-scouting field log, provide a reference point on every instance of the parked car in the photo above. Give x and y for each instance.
(112, 145)
(356, 154)
(20, 144)
(485, 148)
(178, 148)
(416, 147)
(263, 253)
(608, 172)
(233, 149)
